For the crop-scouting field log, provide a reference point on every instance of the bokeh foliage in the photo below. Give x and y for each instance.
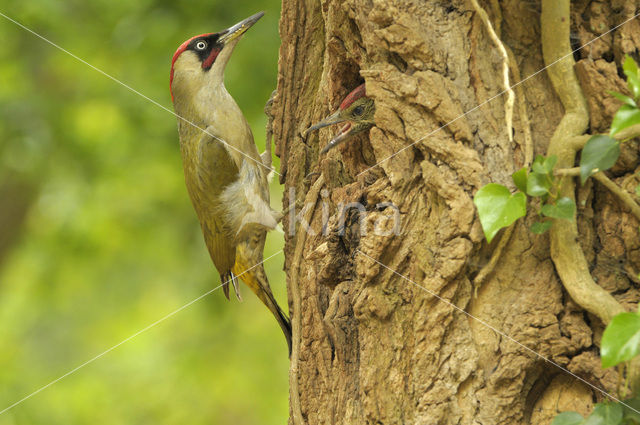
(110, 243)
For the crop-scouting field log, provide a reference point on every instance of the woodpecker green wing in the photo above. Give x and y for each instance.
(215, 170)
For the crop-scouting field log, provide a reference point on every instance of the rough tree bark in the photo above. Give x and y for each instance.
(372, 346)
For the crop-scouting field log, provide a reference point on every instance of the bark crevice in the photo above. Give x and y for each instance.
(372, 347)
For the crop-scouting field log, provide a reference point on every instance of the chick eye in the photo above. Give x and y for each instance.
(358, 110)
(201, 45)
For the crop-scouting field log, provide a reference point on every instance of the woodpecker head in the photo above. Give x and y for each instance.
(200, 61)
(357, 110)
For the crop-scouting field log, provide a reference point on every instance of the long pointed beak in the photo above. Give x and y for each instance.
(240, 28)
(330, 120)
(341, 137)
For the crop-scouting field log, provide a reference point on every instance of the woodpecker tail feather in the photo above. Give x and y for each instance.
(226, 278)
(256, 279)
(230, 277)
(236, 287)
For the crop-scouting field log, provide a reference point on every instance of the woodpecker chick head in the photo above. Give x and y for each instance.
(357, 110)
(200, 61)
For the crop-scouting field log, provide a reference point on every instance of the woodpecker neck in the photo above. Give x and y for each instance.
(216, 73)
(210, 106)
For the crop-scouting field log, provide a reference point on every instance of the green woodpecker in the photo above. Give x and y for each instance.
(224, 174)
(357, 110)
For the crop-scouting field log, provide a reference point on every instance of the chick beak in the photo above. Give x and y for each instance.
(345, 133)
(334, 118)
(238, 29)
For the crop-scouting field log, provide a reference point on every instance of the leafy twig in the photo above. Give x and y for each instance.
(566, 253)
(622, 194)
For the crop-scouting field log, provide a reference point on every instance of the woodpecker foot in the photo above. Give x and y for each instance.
(311, 175)
(266, 155)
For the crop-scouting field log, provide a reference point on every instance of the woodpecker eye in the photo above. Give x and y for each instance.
(358, 110)
(201, 45)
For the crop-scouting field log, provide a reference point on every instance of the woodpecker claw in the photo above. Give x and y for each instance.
(310, 176)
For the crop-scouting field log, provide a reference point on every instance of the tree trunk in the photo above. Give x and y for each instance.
(426, 323)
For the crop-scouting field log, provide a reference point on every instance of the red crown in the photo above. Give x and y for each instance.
(178, 52)
(356, 94)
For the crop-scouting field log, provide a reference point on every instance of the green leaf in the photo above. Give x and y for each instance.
(633, 82)
(538, 184)
(625, 99)
(568, 418)
(638, 190)
(600, 153)
(539, 227)
(520, 179)
(630, 413)
(630, 68)
(538, 164)
(621, 339)
(563, 208)
(549, 163)
(605, 414)
(625, 118)
(498, 208)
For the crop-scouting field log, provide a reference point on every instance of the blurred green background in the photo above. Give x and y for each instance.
(98, 238)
